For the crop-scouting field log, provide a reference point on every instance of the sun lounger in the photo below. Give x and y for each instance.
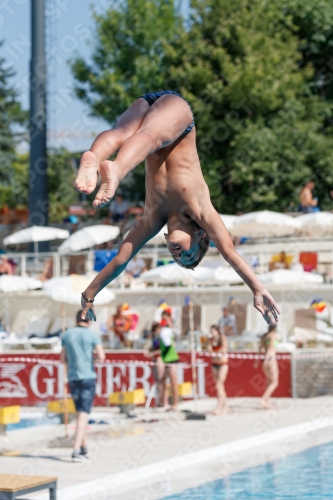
(17, 344)
(38, 327)
(45, 343)
(56, 325)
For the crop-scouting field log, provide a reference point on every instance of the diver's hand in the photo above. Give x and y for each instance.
(87, 308)
(265, 304)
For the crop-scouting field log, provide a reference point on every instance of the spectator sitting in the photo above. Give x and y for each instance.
(5, 267)
(118, 209)
(74, 223)
(134, 268)
(80, 345)
(48, 270)
(308, 203)
(120, 324)
(282, 263)
(227, 323)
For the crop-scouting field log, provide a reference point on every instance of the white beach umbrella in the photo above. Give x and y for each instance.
(88, 237)
(229, 220)
(9, 283)
(264, 224)
(158, 239)
(68, 289)
(220, 274)
(289, 277)
(172, 273)
(316, 223)
(15, 284)
(34, 234)
(226, 275)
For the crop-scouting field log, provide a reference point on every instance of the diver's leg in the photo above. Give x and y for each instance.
(107, 143)
(164, 123)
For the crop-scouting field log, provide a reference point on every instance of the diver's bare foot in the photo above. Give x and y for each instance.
(266, 404)
(110, 182)
(88, 172)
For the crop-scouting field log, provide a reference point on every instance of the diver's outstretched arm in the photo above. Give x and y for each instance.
(142, 232)
(212, 223)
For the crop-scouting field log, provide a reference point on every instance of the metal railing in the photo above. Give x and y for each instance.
(32, 263)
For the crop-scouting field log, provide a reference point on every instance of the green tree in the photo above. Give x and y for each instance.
(126, 62)
(262, 128)
(12, 118)
(61, 189)
(261, 132)
(312, 22)
(130, 42)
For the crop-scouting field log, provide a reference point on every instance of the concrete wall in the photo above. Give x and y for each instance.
(314, 376)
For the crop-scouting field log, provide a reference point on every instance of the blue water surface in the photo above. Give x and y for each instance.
(305, 475)
(33, 422)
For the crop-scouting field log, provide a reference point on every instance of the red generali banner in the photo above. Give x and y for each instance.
(34, 379)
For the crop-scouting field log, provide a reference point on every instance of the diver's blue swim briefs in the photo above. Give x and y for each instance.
(153, 96)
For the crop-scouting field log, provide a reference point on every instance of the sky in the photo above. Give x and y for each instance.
(69, 32)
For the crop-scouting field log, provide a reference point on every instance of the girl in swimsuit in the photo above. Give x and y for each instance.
(159, 368)
(218, 344)
(270, 365)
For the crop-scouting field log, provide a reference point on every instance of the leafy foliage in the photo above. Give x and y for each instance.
(129, 48)
(11, 117)
(61, 189)
(252, 72)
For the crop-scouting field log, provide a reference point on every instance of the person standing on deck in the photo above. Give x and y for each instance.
(80, 346)
(170, 358)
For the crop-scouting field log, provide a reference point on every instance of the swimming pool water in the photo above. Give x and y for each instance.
(33, 422)
(305, 475)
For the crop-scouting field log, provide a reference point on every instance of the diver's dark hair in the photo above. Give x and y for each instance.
(203, 248)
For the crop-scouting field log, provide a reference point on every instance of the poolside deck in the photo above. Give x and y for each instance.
(158, 453)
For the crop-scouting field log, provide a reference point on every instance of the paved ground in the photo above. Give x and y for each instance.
(179, 453)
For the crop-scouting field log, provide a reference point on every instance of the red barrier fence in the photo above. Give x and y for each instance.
(33, 379)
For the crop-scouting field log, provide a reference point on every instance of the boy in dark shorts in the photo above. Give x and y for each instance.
(79, 347)
(159, 128)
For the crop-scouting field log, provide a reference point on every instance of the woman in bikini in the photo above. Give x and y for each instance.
(270, 365)
(218, 346)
